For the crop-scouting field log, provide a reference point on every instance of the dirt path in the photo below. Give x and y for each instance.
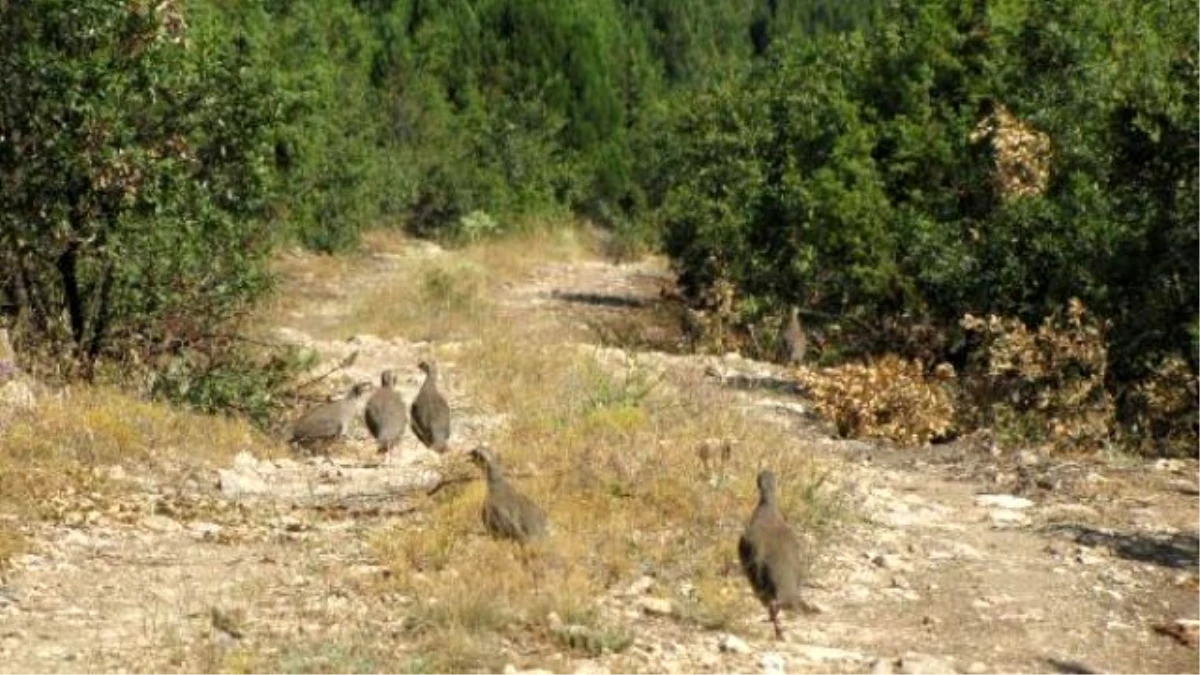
(1071, 575)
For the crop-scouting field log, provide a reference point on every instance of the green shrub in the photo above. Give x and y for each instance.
(133, 177)
(957, 158)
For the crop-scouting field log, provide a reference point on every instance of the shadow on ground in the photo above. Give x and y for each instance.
(1069, 667)
(770, 383)
(600, 299)
(1167, 550)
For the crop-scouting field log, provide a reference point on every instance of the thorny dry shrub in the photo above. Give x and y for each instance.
(1161, 411)
(889, 397)
(62, 459)
(1044, 386)
(609, 448)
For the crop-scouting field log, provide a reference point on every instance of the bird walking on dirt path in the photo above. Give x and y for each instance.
(792, 342)
(506, 513)
(386, 415)
(330, 421)
(430, 413)
(772, 556)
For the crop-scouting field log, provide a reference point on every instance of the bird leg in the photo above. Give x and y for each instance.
(773, 609)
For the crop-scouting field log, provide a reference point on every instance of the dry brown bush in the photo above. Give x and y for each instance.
(1044, 386)
(1161, 411)
(1022, 154)
(889, 397)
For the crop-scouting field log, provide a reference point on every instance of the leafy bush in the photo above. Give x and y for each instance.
(227, 375)
(849, 174)
(133, 178)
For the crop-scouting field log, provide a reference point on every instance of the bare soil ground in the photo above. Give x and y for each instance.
(953, 558)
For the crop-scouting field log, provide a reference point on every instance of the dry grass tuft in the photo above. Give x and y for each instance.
(445, 297)
(61, 454)
(609, 448)
(12, 542)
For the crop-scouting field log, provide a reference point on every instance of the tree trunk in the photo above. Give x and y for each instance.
(68, 269)
(101, 313)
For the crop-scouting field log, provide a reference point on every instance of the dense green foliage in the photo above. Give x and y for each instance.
(153, 154)
(426, 112)
(134, 176)
(843, 173)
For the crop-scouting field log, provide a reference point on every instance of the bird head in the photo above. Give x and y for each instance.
(428, 367)
(768, 485)
(360, 389)
(388, 378)
(481, 456)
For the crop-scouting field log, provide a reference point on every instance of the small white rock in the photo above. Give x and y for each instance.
(233, 483)
(76, 538)
(642, 585)
(158, 523)
(892, 561)
(822, 654)
(966, 551)
(245, 461)
(772, 663)
(913, 663)
(590, 668)
(1172, 465)
(1007, 517)
(883, 667)
(656, 606)
(733, 644)
(202, 529)
(532, 671)
(1003, 502)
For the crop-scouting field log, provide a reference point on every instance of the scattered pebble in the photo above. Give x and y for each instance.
(892, 561)
(590, 667)
(820, 654)
(1011, 502)
(203, 530)
(772, 663)
(913, 663)
(510, 669)
(158, 523)
(1002, 517)
(656, 606)
(733, 644)
(641, 586)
